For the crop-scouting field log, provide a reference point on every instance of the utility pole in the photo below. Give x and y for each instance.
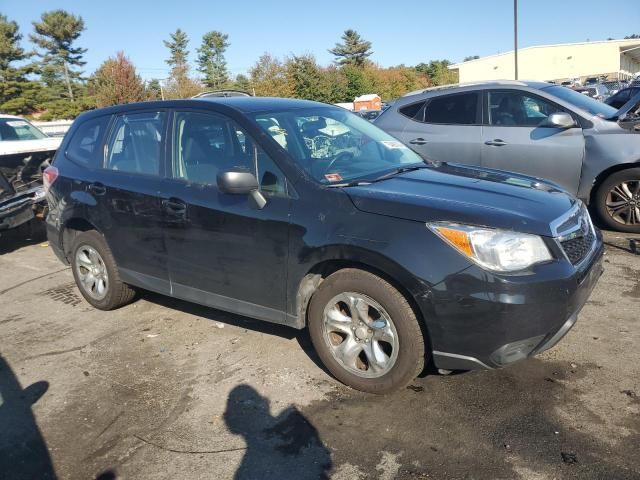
(515, 36)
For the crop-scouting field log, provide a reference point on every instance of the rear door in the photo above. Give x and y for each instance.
(448, 128)
(223, 250)
(129, 192)
(513, 139)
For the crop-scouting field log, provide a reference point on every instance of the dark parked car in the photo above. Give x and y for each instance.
(304, 214)
(370, 115)
(543, 130)
(622, 97)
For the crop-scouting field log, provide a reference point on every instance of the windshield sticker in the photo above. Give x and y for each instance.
(17, 123)
(333, 177)
(393, 144)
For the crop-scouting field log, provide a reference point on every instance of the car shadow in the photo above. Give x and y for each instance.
(23, 450)
(284, 446)
(261, 326)
(30, 233)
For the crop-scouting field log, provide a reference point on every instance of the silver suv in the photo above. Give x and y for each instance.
(536, 128)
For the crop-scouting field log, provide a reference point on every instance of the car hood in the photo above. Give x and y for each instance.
(12, 147)
(22, 163)
(464, 194)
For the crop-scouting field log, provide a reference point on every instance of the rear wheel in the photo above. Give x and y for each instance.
(365, 332)
(96, 273)
(618, 201)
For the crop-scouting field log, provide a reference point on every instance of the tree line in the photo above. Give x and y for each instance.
(49, 82)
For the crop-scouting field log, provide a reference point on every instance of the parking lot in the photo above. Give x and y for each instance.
(167, 389)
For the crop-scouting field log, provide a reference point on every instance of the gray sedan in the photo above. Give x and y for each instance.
(536, 128)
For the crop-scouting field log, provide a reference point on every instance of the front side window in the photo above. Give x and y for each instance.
(85, 142)
(135, 142)
(458, 109)
(206, 144)
(333, 145)
(518, 109)
(584, 102)
(18, 129)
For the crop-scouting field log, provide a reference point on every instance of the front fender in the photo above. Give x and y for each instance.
(607, 152)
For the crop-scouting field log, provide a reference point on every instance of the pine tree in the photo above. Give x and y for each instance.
(55, 34)
(242, 83)
(18, 94)
(353, 50)
(154, 89)
(180, 85)
(211, 61)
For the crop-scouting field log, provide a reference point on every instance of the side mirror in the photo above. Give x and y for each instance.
(241, 182)
(558, 120)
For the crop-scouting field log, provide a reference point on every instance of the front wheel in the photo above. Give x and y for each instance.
(618, 201)
(365, 332)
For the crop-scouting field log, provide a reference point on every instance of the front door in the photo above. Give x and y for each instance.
(513, 139)
(225, 251)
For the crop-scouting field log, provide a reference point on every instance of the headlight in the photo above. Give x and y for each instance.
(498, 250)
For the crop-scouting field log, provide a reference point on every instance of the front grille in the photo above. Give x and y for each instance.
(578, 248)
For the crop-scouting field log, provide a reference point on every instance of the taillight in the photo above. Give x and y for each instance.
(49, 176)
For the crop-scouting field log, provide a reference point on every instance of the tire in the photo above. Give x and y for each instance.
(609, 192)
(369, 333)
(115, 292)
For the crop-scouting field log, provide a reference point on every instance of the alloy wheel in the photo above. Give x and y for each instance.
(623, 202)
(360, 335)
(92, 272)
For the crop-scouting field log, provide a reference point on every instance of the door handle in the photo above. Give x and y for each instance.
(495, 143)
(97, 188)
(174, 206)
(418, 141)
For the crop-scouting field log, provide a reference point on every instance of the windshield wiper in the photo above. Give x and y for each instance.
(398, 171)
(348, 184)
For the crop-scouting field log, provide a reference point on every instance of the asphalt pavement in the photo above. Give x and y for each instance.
(167, 389)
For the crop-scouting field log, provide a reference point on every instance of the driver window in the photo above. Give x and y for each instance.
(206, 144)
(517, 109)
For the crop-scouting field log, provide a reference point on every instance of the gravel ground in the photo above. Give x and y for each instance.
(167, 389)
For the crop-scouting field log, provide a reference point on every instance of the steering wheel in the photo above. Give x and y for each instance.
(338, 158)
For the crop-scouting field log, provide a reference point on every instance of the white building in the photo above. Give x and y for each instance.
(617, 59)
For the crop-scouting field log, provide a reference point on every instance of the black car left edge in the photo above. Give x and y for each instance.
(303, 214)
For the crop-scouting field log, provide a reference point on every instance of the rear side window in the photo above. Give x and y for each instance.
(459, 109)
(86, 141)
(135, 142)
(413, 110)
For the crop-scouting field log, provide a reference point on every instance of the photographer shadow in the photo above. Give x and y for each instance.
(282, 447)
(23, 451)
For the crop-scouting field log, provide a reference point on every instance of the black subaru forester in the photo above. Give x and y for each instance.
(304, 214)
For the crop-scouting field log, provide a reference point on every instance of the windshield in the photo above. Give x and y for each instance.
(335, 146)
(18, 129)
(580, 100)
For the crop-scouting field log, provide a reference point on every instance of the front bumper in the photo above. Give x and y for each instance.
(20, 208)
(16, 217)
(481, 320)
